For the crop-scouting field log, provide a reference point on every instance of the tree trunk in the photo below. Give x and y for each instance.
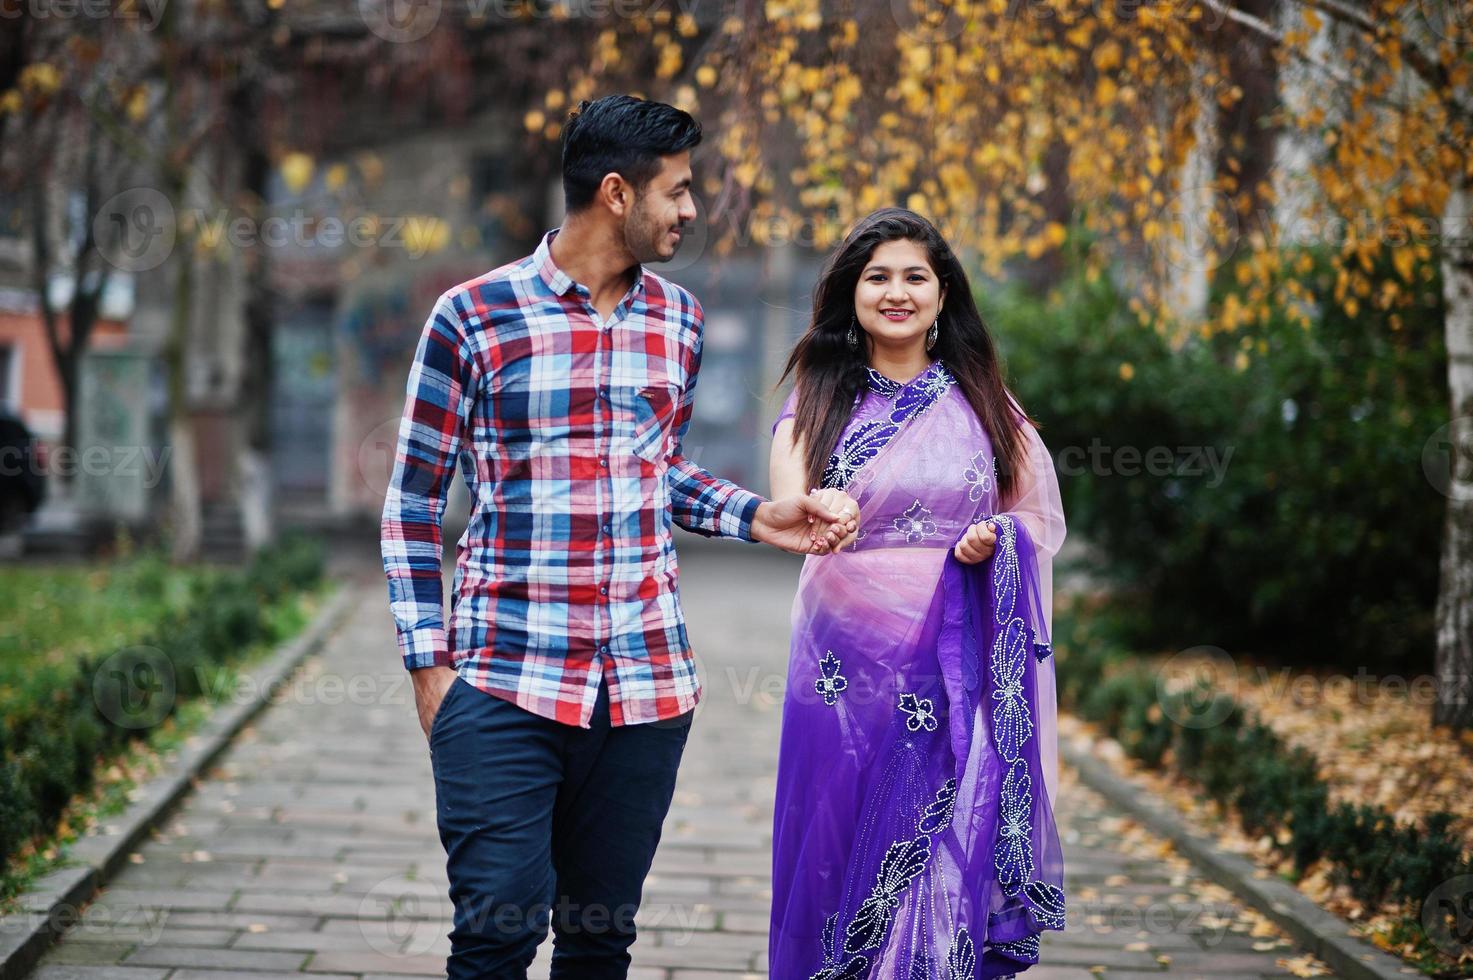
(1247, 139)
(67, 374)
(184, 489)
(255, 389)
(185, 516)
(1048, 270)
(1455, 593)
(81, 319)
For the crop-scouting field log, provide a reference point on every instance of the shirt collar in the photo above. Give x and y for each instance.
(559, 281)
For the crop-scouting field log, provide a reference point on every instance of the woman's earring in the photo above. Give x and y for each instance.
(934, 332)
(853, 336)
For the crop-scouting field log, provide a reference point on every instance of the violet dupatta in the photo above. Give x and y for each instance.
(913, 832)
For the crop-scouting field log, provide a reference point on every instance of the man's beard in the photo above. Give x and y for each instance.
(645, 237)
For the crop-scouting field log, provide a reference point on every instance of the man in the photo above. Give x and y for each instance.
(558, 708)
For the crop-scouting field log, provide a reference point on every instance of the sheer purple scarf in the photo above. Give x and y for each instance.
(913, 827)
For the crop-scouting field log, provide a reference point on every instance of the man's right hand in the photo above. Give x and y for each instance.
(430, 685)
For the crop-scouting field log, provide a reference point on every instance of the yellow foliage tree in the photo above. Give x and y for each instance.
(1008, 121)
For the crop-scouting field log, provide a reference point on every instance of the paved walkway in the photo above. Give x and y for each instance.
(312, 847)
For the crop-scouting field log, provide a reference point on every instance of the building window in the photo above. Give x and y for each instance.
(7, 378)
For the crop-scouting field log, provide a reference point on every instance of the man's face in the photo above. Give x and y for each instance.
(662, 208)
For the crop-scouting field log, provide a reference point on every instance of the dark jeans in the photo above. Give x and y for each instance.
(544, 822)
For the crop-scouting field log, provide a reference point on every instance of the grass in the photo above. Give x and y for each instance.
(53, 616)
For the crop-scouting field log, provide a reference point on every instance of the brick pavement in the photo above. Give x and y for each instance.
(311, 849)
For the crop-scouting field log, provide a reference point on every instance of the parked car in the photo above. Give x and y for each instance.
(22, 468)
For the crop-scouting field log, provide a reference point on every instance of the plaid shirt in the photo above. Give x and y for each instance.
(569, 432)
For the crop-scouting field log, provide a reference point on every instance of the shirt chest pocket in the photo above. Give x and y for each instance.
(653, 409)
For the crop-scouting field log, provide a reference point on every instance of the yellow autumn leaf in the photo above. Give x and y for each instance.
(1405, 261)
(1107, 56)
(424, 234)
(371, 168)
(670, 61)
(296, 171)
(136, 106)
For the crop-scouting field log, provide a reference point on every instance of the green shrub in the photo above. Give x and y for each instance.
(17, 809)
(1244, 765)
(1322, 503)
(58, 722)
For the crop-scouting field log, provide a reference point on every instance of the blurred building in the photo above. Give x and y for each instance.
(360, 247)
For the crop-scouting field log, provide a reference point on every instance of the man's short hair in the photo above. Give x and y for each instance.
(624, 135)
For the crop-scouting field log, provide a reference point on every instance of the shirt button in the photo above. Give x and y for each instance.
(604, 648)
(608, 527)
(603, 461)
(604, 590)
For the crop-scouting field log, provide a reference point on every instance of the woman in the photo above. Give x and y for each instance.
(913, 829)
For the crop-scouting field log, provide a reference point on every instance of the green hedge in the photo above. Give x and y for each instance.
(1323, 504)
(60, 721)
(1242, 764)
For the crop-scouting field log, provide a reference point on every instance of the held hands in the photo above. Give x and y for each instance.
(977, 544)
(811, 525)
(844, 505)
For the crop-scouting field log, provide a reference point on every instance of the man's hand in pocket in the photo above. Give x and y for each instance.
(430, 685)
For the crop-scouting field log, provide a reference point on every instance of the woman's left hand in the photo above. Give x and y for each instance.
(839, 502)
(977, 544)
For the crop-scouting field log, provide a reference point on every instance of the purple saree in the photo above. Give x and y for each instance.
(913, 832)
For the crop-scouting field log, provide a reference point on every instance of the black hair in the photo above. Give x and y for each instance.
(624, 135)
(830, 374)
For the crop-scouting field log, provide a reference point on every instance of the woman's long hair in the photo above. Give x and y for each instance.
(830, 374)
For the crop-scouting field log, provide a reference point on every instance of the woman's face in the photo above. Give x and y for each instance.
(898, 295)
